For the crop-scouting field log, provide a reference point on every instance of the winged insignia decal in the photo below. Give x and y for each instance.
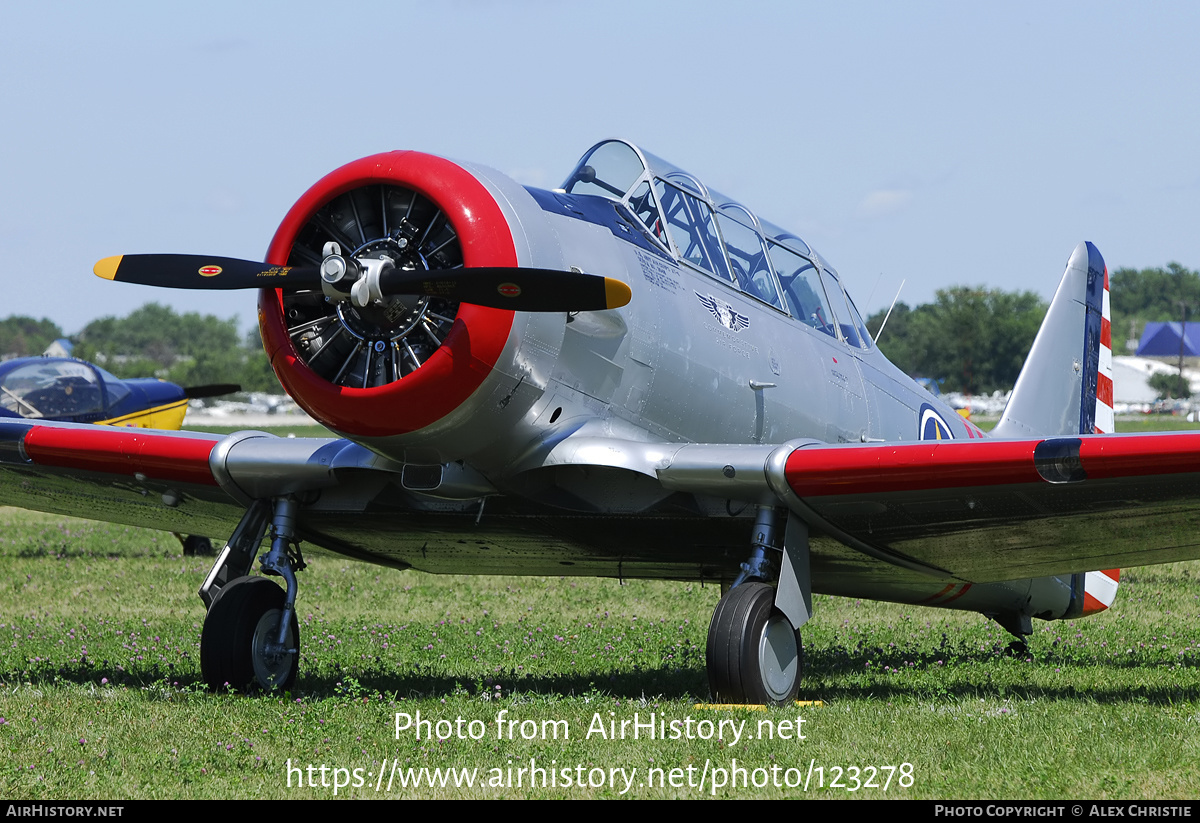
(726, 314)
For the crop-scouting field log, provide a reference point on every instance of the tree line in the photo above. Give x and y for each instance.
(972, 340)
(975, 340)
(189, 349)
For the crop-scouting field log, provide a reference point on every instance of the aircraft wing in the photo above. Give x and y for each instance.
(999, 510)
(977, 511)
(184, 482)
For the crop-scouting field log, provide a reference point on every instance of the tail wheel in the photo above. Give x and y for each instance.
(196, 546)
(754, 655)
(236, 643)
(373, 346)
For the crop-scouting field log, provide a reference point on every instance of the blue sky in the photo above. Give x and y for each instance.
(941, 143)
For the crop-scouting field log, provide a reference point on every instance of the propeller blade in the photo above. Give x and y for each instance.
(504, 287)
(194, 271)
(211, 390)
(518, 289)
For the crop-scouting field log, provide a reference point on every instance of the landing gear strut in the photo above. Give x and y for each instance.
(754, 651)
(251, 638)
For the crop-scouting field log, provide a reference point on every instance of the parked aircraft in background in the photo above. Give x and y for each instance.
(630, 376)
(75, 391)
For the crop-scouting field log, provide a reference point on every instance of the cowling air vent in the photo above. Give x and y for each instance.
(380, 344)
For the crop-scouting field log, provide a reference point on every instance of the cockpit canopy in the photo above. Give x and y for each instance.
(709, 232)
(56, 388)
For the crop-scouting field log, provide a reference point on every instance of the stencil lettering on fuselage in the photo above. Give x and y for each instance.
(933, 426)
(657, 272)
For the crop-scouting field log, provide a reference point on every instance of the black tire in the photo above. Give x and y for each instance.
(242, 618)
(754, 655)
(196, 546)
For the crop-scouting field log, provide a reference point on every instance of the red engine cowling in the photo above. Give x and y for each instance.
(398, 367)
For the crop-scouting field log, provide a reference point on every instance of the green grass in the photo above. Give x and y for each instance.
(1154, 423)
(100, 691)
(1126, 424)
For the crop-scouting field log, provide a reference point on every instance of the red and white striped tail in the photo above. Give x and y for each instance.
(1105, 422)
(1099, 590)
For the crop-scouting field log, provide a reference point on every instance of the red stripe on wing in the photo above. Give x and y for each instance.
(858, 470)
(1140, 455)
(116, 451)
(853, 470)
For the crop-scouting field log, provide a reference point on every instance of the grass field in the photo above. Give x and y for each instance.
(100, 692)
(1131, 424)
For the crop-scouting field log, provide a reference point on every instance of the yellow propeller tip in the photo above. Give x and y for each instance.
(107, 268)
(616, 293)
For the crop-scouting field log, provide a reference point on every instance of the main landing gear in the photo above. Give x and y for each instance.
(239, 646)
(754, 651)
(754, 654)
(251, 638)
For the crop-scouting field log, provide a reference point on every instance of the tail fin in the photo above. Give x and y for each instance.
(1065, 386)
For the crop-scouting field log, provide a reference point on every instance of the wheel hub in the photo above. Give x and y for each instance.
(778, 657)
(271, 661)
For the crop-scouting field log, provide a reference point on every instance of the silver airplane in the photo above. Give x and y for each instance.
(708, 405)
